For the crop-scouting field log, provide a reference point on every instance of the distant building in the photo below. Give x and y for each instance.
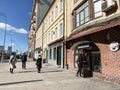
(9, 49)
(39, 10)
(1, 48)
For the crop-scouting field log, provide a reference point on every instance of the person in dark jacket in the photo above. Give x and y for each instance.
(24, 59)
(39, 63)
(80, 65)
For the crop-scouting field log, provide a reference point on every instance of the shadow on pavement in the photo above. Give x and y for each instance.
(51, 71)
(19, 82)
(27, 71)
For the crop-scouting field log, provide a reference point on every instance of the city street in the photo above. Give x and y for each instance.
(50, 78)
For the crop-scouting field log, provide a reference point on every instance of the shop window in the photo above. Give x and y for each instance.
(96, 62)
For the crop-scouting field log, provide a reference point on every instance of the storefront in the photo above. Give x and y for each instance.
(55, 54)
(91, 55)
(101, 46)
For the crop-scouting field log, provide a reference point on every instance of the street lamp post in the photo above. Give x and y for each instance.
(2, 14)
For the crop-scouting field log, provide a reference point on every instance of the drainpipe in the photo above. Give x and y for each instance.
(65, 32)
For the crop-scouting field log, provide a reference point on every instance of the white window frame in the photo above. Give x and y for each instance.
(61, 5)
(61, 28)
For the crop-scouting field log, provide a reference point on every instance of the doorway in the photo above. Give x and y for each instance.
(59, 55)
(91, 54)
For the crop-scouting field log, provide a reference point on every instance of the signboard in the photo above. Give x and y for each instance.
(114, 46)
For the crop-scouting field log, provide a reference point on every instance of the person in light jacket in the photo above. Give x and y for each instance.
(12, 62)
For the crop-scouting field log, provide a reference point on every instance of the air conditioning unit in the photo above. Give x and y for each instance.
(108, 5)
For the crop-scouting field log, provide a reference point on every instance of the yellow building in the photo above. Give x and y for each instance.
(50, 31)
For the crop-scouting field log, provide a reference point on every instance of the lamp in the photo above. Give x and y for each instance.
(2, 14)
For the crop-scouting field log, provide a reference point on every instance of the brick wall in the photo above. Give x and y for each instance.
(110, 61)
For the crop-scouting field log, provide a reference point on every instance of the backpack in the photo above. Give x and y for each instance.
(12, 60)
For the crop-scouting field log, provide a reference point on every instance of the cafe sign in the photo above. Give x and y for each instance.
(114, 46)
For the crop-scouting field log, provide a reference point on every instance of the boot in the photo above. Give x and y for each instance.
(11, 70)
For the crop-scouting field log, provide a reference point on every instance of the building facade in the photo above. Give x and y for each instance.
(50, 31)
(32, 29)
(65, 29)
(92, 28)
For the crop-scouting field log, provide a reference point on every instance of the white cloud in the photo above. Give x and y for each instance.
(29, 13)
(13, 44)
(11, 28)
(21, 30)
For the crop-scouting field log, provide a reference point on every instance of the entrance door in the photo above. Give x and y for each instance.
(59, 55)
(87, 66)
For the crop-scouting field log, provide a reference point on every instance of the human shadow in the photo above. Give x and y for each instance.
(51, 71)
(27, 71)
(20, 82)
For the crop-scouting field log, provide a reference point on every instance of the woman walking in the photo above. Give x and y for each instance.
(12, 62)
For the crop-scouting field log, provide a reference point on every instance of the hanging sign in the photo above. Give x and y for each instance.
(114, 46)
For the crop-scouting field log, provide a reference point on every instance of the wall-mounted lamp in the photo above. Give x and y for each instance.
(108, 36)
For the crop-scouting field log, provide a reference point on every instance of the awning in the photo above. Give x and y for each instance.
(93, 30)
(83, 46)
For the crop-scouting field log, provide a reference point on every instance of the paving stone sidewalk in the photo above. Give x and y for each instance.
(50, 78)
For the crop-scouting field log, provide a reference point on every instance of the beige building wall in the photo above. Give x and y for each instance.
(68, 17)
(70, 6)
(32, 28)
(49, 31)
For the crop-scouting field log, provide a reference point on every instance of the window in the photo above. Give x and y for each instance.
(46, 39)
(89, 10)
(97, 8)
(56, 32)
(51, 35)
(82, 14)
(75, 1)
(56, 10)
(61, 28)
(52, 15)
(96, 62)
(48, 20)
(61, 5)
(43, 27)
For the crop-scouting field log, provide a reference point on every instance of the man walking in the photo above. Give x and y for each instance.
(24, 59)
(80, 66)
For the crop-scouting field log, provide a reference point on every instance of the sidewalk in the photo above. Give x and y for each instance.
(50, 78)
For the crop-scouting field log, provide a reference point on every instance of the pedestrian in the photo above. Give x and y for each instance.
(24, 60)
(12, 62)
(39, 62)
(80, 65)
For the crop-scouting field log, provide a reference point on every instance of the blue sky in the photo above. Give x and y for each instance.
(18, 20)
